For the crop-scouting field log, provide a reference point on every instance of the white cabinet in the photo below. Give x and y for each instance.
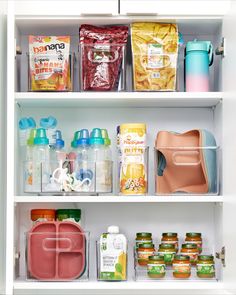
(174, 7)
(212, 215)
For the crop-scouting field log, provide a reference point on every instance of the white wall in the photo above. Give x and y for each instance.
(3, 51)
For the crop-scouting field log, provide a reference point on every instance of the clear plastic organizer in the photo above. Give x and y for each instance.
(187, 170)
(57, 251)
(51, 73)
(121, 270)
(68, 177)
(141, 272)
(102, 67)
(133, 172)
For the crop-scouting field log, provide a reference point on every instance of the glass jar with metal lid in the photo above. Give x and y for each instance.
(194, 238)
(170, 238)
(156, 267)
(181, 267)
(143, 238)
(190, 250)
(168, 251)
(205, 266)
(144, 251)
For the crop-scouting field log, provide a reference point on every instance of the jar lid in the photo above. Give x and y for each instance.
(167, 246)
(170, 235)
(146, 245)
(156, 257)
(73, 213)
(143, 235)
(205, 257)
(189, 246)
(42, 212)
(182, 257)
(193, 235)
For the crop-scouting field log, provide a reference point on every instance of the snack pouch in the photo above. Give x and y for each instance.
(49, 63)
(154, 52)
(102, 53)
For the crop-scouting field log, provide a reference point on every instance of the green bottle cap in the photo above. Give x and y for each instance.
(96, 137)
(106, 138)
(41, 137)
(30, 141)
(74, 143)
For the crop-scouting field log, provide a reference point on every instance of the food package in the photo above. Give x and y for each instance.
(102, 54)
(49, 62)
(154, 52)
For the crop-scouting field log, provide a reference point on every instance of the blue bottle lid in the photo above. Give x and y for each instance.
(26, 123)
(96, 137)
(59, 142)
(48, 123)
(198, 45)
(41, 137)
(83, 138)
(32, 122)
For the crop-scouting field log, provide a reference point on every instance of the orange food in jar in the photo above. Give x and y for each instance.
(170, 238)
(181, 267)
(38, 215)
(194, 238)
(143, 253)
(190, 250)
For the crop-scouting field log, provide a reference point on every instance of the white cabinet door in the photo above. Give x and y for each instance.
(229, 148)
(70, 7)
(174, 7)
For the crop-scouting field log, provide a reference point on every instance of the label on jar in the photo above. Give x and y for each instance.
(168, 256)
(156, 269)
(193, 256)
(144, 254)
(198, 243)
(181, 268)
(205, 269)
(139, 242)
(171, 242)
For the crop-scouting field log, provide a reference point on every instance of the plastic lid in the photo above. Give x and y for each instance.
(198, 45)
(74, 143)
(191, 235)
(167, 246)
(26, 123)
(146, 245)
(83, 138)
(133, 125)
(30, 141)
(106, 138)
(205, 257)
(189, 246)
(182, 257)
(41, 137)
(42, 212)
(156, 257)
(73, 213)
(144, 235)
(113, 229)
(169, 234)
(96, 137)
(59, 142)
(32, 122)
(48, 123)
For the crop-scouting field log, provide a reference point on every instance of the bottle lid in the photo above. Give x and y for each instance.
(36, 213)
(106, 138)
(68, 213)
(113, 229)
(41, 137)
(26, 123)
(32, 122)
(30, 141)
(48, 123)
(83, 137)
(74, 143)
(198, 46)
(96, 137)
(59, 142)
(125, 126)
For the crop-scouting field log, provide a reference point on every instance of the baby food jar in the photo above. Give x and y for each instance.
(194, 238)
(170, 238)
(168, 251)
(38, 215)
(206, 266)
(190, 250)
(73, 215)
(144, 251)
(156, 268)
(181, 267)
(143, 238)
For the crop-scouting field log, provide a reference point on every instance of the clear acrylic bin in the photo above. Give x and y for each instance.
(187, 170)
(59, 81)
(57, 251)
(133, 173)
(68, 177)
(102, 67)
(121, 273)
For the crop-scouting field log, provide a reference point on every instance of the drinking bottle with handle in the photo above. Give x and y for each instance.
(198, 59)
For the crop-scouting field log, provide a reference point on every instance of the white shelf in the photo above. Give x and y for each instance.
(118, 99)
(119, 199)
(129, 285)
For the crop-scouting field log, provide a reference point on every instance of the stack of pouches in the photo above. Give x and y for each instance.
(185, 164)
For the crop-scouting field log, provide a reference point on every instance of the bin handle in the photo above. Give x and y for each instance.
(181, 154)
(48, 240)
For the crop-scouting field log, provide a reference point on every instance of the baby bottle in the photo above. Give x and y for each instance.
(25, 126)
(49, 124)
(28, 166)
(108, 159)
(72, 156)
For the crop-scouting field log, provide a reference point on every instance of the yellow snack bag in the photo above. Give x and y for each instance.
(49, 63)
(154, 52)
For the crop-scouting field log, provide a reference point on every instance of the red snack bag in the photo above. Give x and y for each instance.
(102, 51)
